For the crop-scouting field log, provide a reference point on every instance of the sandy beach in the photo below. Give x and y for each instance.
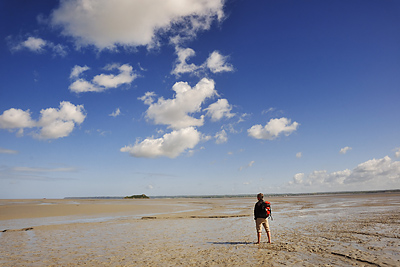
(324, 230)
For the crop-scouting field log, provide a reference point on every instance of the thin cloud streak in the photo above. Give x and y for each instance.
(8, 151)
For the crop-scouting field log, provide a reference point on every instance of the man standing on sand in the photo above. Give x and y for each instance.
(261, 218)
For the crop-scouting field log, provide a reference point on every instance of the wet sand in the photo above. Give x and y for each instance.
(325, 230)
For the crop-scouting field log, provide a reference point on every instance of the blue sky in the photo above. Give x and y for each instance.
(198, 97)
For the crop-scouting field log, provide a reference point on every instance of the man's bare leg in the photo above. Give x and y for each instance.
(259, 237)
(269, 237)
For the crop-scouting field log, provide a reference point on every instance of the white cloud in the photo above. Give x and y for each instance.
(53, 123)
(217, 63)
(7, 151)
(219, 109)
(375, 169)
(298, 178)
(369, 175)
(59, 49)
(126, 76)
(266, 111)
(37, 45)
(56, 123)
(56, 129)
(273, 129)
(16, 118)
(221, 137)
(247, 166)
(299, 155)
(170, 145)
(176, 112)
(148, 98)
(116, 113)
(205, 138)
(77, 71)
(34, 44)
(106, 24)
(397, 153)
(181, 65)
(81, 85)
(101, 82)
(344, 150)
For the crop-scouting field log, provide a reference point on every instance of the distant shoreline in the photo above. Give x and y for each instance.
(249, 195)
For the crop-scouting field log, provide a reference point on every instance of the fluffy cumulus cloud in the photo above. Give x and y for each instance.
(101, 82)
(52, 124)
(375, 169)
(273, 129)
(16, 118)
(298, 178)
(215, 63)
(170, 145)
(107, 24)
(218, 63)
(56, 123)
(219, 110)
(176, 112)
(369, 175)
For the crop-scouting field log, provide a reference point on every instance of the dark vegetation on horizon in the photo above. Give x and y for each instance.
(143, 196)
(136, 196)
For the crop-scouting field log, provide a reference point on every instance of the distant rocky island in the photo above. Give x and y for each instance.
(142, 196)
(136, 196)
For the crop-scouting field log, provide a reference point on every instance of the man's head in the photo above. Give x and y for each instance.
(260, 196)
